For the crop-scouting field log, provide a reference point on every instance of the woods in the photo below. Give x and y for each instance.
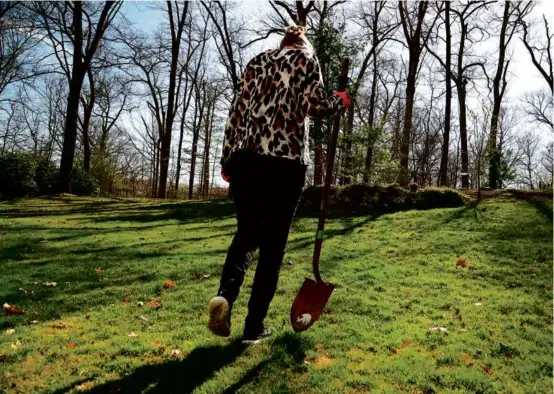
(131, 99)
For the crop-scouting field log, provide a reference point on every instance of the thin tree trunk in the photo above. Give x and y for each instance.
(443, 172)
(463, 134)
(371, 133)
(72, 112)
(168, 127)
(494, 160)
(207, 143)
(198, 114)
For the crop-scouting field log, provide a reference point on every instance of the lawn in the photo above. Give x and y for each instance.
(109, 324)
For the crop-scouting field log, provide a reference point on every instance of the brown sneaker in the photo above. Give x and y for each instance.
(218, 309)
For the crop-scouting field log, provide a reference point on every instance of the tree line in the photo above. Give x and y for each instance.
(84, 88)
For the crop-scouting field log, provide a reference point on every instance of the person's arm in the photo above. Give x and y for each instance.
(240, 102)
(317, 102)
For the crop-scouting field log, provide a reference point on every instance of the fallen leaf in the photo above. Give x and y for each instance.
(154, 304)
(98, 270)
(143, 320)
(169, 284)
(478, 304)
(10, 331)
(43, 241)
(175, 353)
(201, 275)
(85, 386)
(140, 303)
(404, 344)
(531, 271)
(461, 262)
(16, 345)
(3, 357)
(408, 294)
(12, 310)
(438, 328)
(71, 345)
(50, 284)
(26, 293)
(34, 321)
(132, 334)
(487, 370)
(289, 262)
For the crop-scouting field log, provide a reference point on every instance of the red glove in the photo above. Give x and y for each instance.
(225, 177)
(345, 97)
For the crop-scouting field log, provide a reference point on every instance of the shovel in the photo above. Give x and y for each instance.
(313, 295)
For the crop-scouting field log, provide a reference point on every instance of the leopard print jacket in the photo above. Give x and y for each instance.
(278, 92)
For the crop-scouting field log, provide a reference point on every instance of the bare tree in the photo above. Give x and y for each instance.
(63, 24)
(540, 52)
(416, 34)
(540, 105)
(527, 163)
(379, 24)
(510, 22)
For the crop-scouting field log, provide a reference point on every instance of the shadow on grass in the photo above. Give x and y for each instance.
(184, 376)
(542, 206)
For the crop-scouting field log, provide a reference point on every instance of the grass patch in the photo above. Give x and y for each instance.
(110, 325)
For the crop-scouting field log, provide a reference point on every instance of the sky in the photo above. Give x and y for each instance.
(523, 75)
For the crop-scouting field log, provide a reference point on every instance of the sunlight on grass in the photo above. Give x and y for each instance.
(109, 323)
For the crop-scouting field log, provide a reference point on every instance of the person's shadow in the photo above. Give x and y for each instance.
(178, 376)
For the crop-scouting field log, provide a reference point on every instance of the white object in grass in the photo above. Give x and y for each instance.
(304, 319)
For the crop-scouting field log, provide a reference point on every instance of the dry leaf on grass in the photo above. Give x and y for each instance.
(438, 328)
(461, 262)
(15, 345)
(154, 304)
(10, 331)
(85, 386)
(201, 275)
(487, 369)
(132, 334)
(26, 293)
(12, 310)
(34, 321)
(98, 270)
(140, 303)
(50, 284)
(169, 284)
(175, 353)
(71, 345)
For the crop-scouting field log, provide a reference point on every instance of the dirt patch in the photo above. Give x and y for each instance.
(323, 361)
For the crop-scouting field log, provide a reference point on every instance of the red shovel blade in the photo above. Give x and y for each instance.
(309, 304)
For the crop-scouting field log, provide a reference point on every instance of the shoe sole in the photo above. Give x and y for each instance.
(218, 310)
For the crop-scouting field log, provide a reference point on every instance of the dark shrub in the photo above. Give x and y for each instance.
(364, 198)
(83, 184)
(439, 198)
(17, 175)
(46, 176)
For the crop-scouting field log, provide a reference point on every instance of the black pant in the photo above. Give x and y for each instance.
(266, 191)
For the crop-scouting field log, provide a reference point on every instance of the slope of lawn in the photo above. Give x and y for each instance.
(404, 317)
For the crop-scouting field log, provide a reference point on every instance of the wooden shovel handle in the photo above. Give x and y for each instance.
(329, 175)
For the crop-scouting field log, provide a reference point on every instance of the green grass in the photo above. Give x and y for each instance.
(396, 277)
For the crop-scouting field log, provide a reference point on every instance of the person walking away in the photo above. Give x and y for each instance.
(265, 157)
